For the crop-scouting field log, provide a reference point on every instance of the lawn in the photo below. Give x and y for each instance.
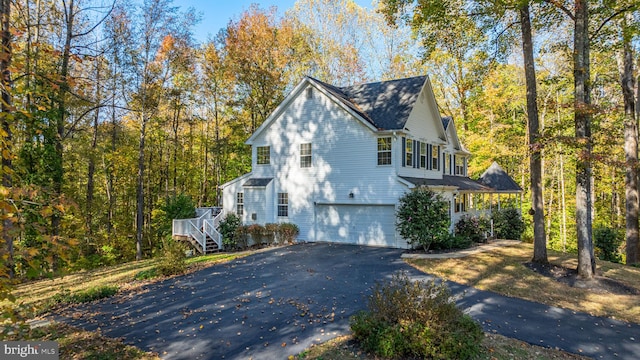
(503, 271)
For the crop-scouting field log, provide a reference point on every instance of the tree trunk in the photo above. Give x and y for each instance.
(535, 147)
(140, 188)
(91, 169)
(582, 120)
(630, 149)
(7, 140)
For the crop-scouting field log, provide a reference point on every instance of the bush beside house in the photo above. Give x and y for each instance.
(236, 236)
(423, 219)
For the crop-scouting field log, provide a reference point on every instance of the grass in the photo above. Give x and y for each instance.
(502, 271)
(79, 344)
(495, 347)
(39, 296)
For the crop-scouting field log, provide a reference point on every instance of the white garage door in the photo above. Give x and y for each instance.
(356, 224)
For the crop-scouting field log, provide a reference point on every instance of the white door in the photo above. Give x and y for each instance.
(372, 225)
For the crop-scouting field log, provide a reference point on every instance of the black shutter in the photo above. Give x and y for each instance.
(404, 150)
(416, 153)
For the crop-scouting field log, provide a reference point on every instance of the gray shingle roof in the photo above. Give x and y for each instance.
(460, 182)
(386, 104)
(257, 182)
(495, 177)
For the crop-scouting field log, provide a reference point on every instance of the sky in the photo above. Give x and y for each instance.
(217, 13)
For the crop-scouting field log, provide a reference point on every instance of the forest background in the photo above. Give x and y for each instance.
(112, 114)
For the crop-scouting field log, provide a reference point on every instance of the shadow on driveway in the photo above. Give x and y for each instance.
(277, 303)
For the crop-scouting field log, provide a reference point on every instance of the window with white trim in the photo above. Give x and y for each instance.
(435, 157)
(305, 155)
(423, 155)
(446, 169)
(384, 150)
(283, 204)
(263, 155)
(239, 204)
(460, 162)
(408, 149)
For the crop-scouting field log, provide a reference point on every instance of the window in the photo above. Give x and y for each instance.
(264, 155)
(435, 157)
(239, 204)
(408, 153)
(447, 164)
(423, 155)
(460, 162)
(283, 204)
(305, 155)
(384, 151)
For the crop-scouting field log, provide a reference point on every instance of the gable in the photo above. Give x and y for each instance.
(327, 90)
(425, 122)
(452, 135)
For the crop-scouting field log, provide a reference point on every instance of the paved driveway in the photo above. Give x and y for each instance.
(278, 302)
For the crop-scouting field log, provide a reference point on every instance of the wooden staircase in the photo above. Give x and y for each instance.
(201, 232)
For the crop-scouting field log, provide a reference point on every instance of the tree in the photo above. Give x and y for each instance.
(627, 83)
(582, 118)
(6, 152)
(535, 145)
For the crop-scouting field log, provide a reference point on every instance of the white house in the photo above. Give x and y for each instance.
(335, 161)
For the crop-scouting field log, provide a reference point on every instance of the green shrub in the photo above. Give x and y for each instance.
(173, 260)
(507, 224)
(228, 227)
(423, 218)
(414, 319)
(607, 242)
(474, 228)
(177, 207)
(287, 233)
(65, 296)
(146, 274)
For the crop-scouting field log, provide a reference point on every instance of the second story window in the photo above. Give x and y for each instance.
(408, 153)
(305, 155)
(447, 164)
(239, 204)
(423, 155)
(460, 162)
(435, 157)
(384, 151)
(264, 155)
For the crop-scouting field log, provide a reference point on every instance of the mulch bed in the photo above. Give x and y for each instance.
(599, 284)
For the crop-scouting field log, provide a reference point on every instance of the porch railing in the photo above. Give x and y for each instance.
(200, 228)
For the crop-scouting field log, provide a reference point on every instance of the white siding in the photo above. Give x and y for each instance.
(344, 160)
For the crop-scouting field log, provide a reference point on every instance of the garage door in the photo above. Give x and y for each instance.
(356, 224)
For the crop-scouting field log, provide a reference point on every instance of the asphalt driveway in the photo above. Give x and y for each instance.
(277, 303)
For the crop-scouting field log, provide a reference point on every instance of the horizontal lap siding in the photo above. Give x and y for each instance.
(344, 153)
